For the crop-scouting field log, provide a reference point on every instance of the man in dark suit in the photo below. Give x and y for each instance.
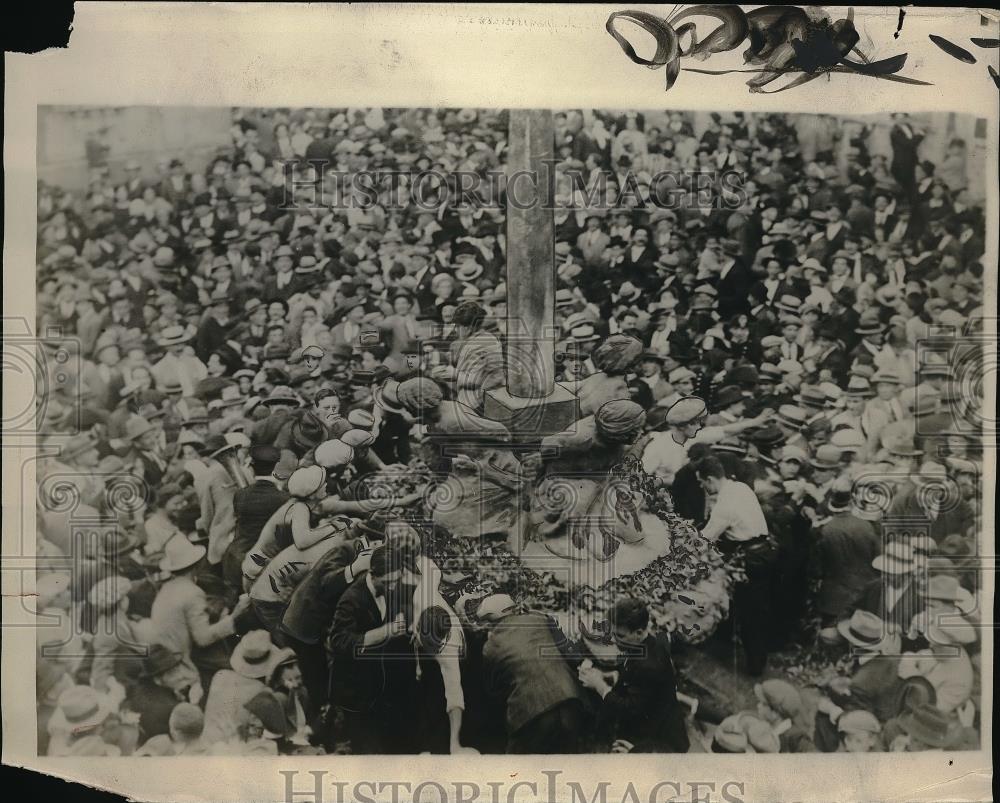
(212, 331)
(905, 141)
(308, 618)
(735, 281)
(641, 707)
(367, 647)
(524, 670)
(894, 596)
(639, 266)
(252, 506)
(919, 502)
(281, 286)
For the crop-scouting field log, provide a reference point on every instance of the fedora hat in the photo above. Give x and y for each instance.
(281, 394)
(266, 706)
(827, 457)
(869, 324)
(159, 660)
(838, 500)
(136, 427)
(256, 656)
(728, 396)
(77, 445)
(896, 559)
(931, 726)
(179, 554)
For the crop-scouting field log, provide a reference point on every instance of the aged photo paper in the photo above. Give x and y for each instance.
(502, 403)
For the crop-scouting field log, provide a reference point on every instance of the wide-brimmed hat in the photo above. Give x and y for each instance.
(896, 559)
(175, 336)
(864, 629)
(495, 606)
(160, 659)
(77, 445)
(256, 656)
(107, 593)
(179, 554)
(81, 708)
(931, 726)
(281, 394)
(869, 324)
(136, 427)
(792, 416)
(827, 457)
(728, 396)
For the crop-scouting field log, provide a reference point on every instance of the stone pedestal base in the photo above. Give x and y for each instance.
(530, 420)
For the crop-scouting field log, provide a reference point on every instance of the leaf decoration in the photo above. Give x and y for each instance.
(952, 49)
(728, 35)
(666, 38)
(993, 75)
(978, 42)
(782, 39)
(888, 66)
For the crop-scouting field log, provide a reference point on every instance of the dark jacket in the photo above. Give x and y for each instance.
(253, 506)
(642, 707)
(360, 679)
(955, 516)
(524, 668)
(845, 550)
(901, 612)
(314, 602)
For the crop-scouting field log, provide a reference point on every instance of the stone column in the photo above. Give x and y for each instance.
(533, 404)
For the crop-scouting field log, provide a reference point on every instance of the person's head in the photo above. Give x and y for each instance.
(687, 416)
(859, 731)
(276, 311)
(327, 404)
(629, 620)
(287, 677)
(432, 630)
(777, 700)
(386, 569)
(710, 474)
(650, 365)
(402, 304)
(186, 723)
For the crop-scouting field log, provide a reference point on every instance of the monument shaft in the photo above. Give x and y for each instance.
(530, 254)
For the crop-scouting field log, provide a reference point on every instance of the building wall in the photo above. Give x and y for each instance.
(72, 140)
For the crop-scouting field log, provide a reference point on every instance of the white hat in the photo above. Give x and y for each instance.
(495, 606)
(180, 553)
(897, 559)
(305, 481)
(334, 453)
(256, 656)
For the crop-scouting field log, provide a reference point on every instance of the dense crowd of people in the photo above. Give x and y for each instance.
(252, 341)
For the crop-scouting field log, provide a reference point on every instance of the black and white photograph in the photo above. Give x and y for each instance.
(469, 430)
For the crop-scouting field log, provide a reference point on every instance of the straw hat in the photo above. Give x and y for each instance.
(256, 656)
(180, 554)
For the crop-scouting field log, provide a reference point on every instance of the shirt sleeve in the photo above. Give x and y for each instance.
(719, 521)
(202, 630)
